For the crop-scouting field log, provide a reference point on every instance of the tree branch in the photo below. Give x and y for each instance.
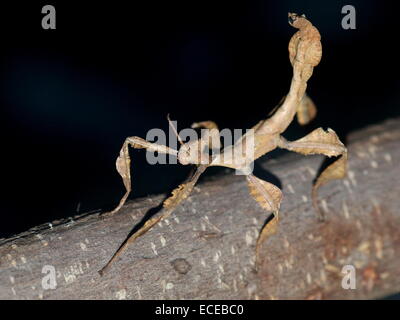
(206, 249)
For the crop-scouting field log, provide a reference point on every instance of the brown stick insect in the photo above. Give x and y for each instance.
(305, 52)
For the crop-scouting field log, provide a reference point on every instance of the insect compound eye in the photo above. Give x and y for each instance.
(292, 18)
(184, 155)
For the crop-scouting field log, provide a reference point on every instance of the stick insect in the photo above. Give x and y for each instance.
(305, 52)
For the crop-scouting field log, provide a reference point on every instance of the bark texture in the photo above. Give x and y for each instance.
(206, 249)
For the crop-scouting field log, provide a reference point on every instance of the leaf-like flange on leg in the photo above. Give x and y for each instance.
(268, 230)
(269, 197)
(318, 141)
(183, 191)
(123, 167)
(178, 195)
(123, 163)
(306, 111)
(323, 142)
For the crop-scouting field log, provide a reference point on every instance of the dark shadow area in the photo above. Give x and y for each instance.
(392, 297)
(266, 175)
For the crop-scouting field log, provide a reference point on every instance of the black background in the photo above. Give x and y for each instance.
(70, 96)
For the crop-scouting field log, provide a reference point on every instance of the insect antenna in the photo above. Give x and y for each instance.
(174, 129)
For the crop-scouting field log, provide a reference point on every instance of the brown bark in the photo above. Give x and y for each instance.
(206, 249)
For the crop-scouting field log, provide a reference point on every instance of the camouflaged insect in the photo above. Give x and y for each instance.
(305, 52)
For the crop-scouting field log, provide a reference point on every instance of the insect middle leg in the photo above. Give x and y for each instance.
(326, 143)
(123, 163)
